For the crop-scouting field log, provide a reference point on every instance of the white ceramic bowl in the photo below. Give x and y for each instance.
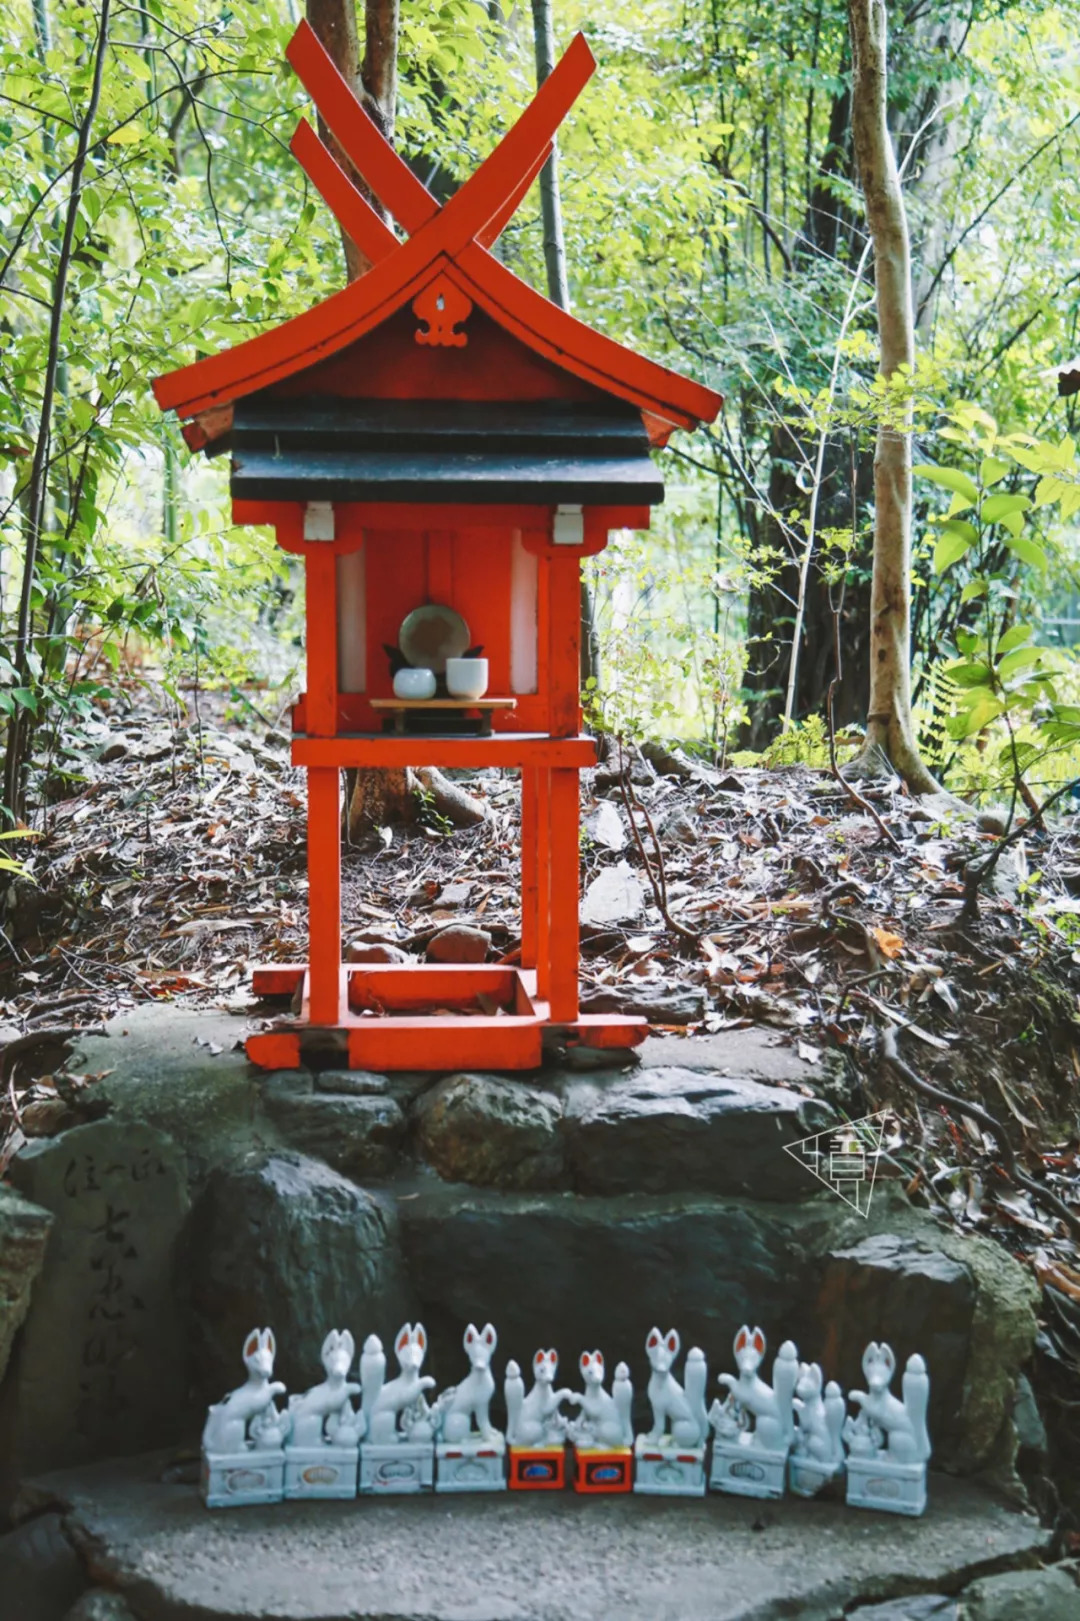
(466, 678)
(415, 684)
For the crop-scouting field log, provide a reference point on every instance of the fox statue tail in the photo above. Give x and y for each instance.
(623, 1394)
(694, 1385)
(785, 1377)
(916, 1387)
(835, 1412)
(514, 1392)
(372, 1376)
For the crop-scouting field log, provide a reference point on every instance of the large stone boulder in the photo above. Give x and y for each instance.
(660, 1130)
(492, 1131)
(1014, 1595)
(359, 1135)
(283, 1241)
(24, 1229)
(100, 1366)
(182, 1071)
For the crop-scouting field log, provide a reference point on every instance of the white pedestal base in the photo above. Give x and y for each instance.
(322, 1471)
(239, 1479)
(398, 1466)
(747, 1471)
(808, 1476)
(471, 1466)
(881, 1483)
(666, 1470)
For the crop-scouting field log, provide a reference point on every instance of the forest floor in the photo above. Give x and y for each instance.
(171, 857)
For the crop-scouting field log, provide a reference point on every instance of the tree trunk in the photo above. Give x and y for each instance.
(889, 729)
(375, 83)
(558, 288)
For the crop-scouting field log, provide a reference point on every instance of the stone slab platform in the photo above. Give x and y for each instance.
(517, 1557)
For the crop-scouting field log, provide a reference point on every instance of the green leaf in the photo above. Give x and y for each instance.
(974, 674)
(950, 478)
(996, 507)
(986, 708)
(992, 470)
(1027, 551)
(948, 550)
(973, 589)
(1013, 637)
(1021, 658)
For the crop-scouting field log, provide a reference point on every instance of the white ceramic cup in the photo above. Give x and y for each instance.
(466, 678)
(414, 684)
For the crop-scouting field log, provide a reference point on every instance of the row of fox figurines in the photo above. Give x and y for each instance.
(795, 1432)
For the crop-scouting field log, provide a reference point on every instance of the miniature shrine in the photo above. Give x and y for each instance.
(442, 445)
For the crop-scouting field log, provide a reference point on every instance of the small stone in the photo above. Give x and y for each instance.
(491, 1131)
(1048, 1595)
(357, 1083)
(360, 1136)
(461, 942)
(377, 951)
(99, 1605)
(659, 1007)
(606, 826)
(679, 828)
(456, 894)
(116, 750)
(991, 821)
(614, 896)
(40, 1573)
(915, 1607)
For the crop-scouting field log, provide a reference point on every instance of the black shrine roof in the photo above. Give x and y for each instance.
(321, 448)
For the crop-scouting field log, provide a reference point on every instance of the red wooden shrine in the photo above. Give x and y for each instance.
(438, 432)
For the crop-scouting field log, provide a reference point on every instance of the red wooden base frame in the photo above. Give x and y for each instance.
(537, 1469)
(603, 1471)
(380, 1024)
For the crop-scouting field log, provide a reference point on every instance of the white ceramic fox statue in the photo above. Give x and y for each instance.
(603, 1420)
(819, 1418)
(462, 1406)
(749, 1398)
(325, 1412)
(534, 1420)
(683, 1410)
(885, 1424)
(247, 1416)
(397, 1411)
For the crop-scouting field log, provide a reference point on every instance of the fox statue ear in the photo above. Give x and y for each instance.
(489, 1335)
(584, 1359)
(403, 1338)
(347, 1343)
(471, 1335)
(251, 1344)
(268, 1340)
(672, 1342)
(554, 1355)
(653, 1340)
(421, 1337)
(759, 1342)
(741, 1338)
(538, 1359)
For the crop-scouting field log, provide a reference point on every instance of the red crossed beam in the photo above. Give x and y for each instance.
(478, 211)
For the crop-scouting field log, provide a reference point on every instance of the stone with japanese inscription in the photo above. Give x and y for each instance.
(102, 1354)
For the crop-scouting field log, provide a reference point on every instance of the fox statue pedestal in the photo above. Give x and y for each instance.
(601, 1433)
(243, 1456)
(398, 1452)
(670, 1460)
(754, 1428)
(470, 1454)
(888, 1447)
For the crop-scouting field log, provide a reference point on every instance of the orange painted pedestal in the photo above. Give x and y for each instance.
(537, 1469)
(596, 1470)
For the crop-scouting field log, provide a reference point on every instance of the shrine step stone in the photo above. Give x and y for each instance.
(516, 1557)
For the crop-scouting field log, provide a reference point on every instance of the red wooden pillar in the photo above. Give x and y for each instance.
(541, 864)
(564, 867)
(324, 815)
(530, 878)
